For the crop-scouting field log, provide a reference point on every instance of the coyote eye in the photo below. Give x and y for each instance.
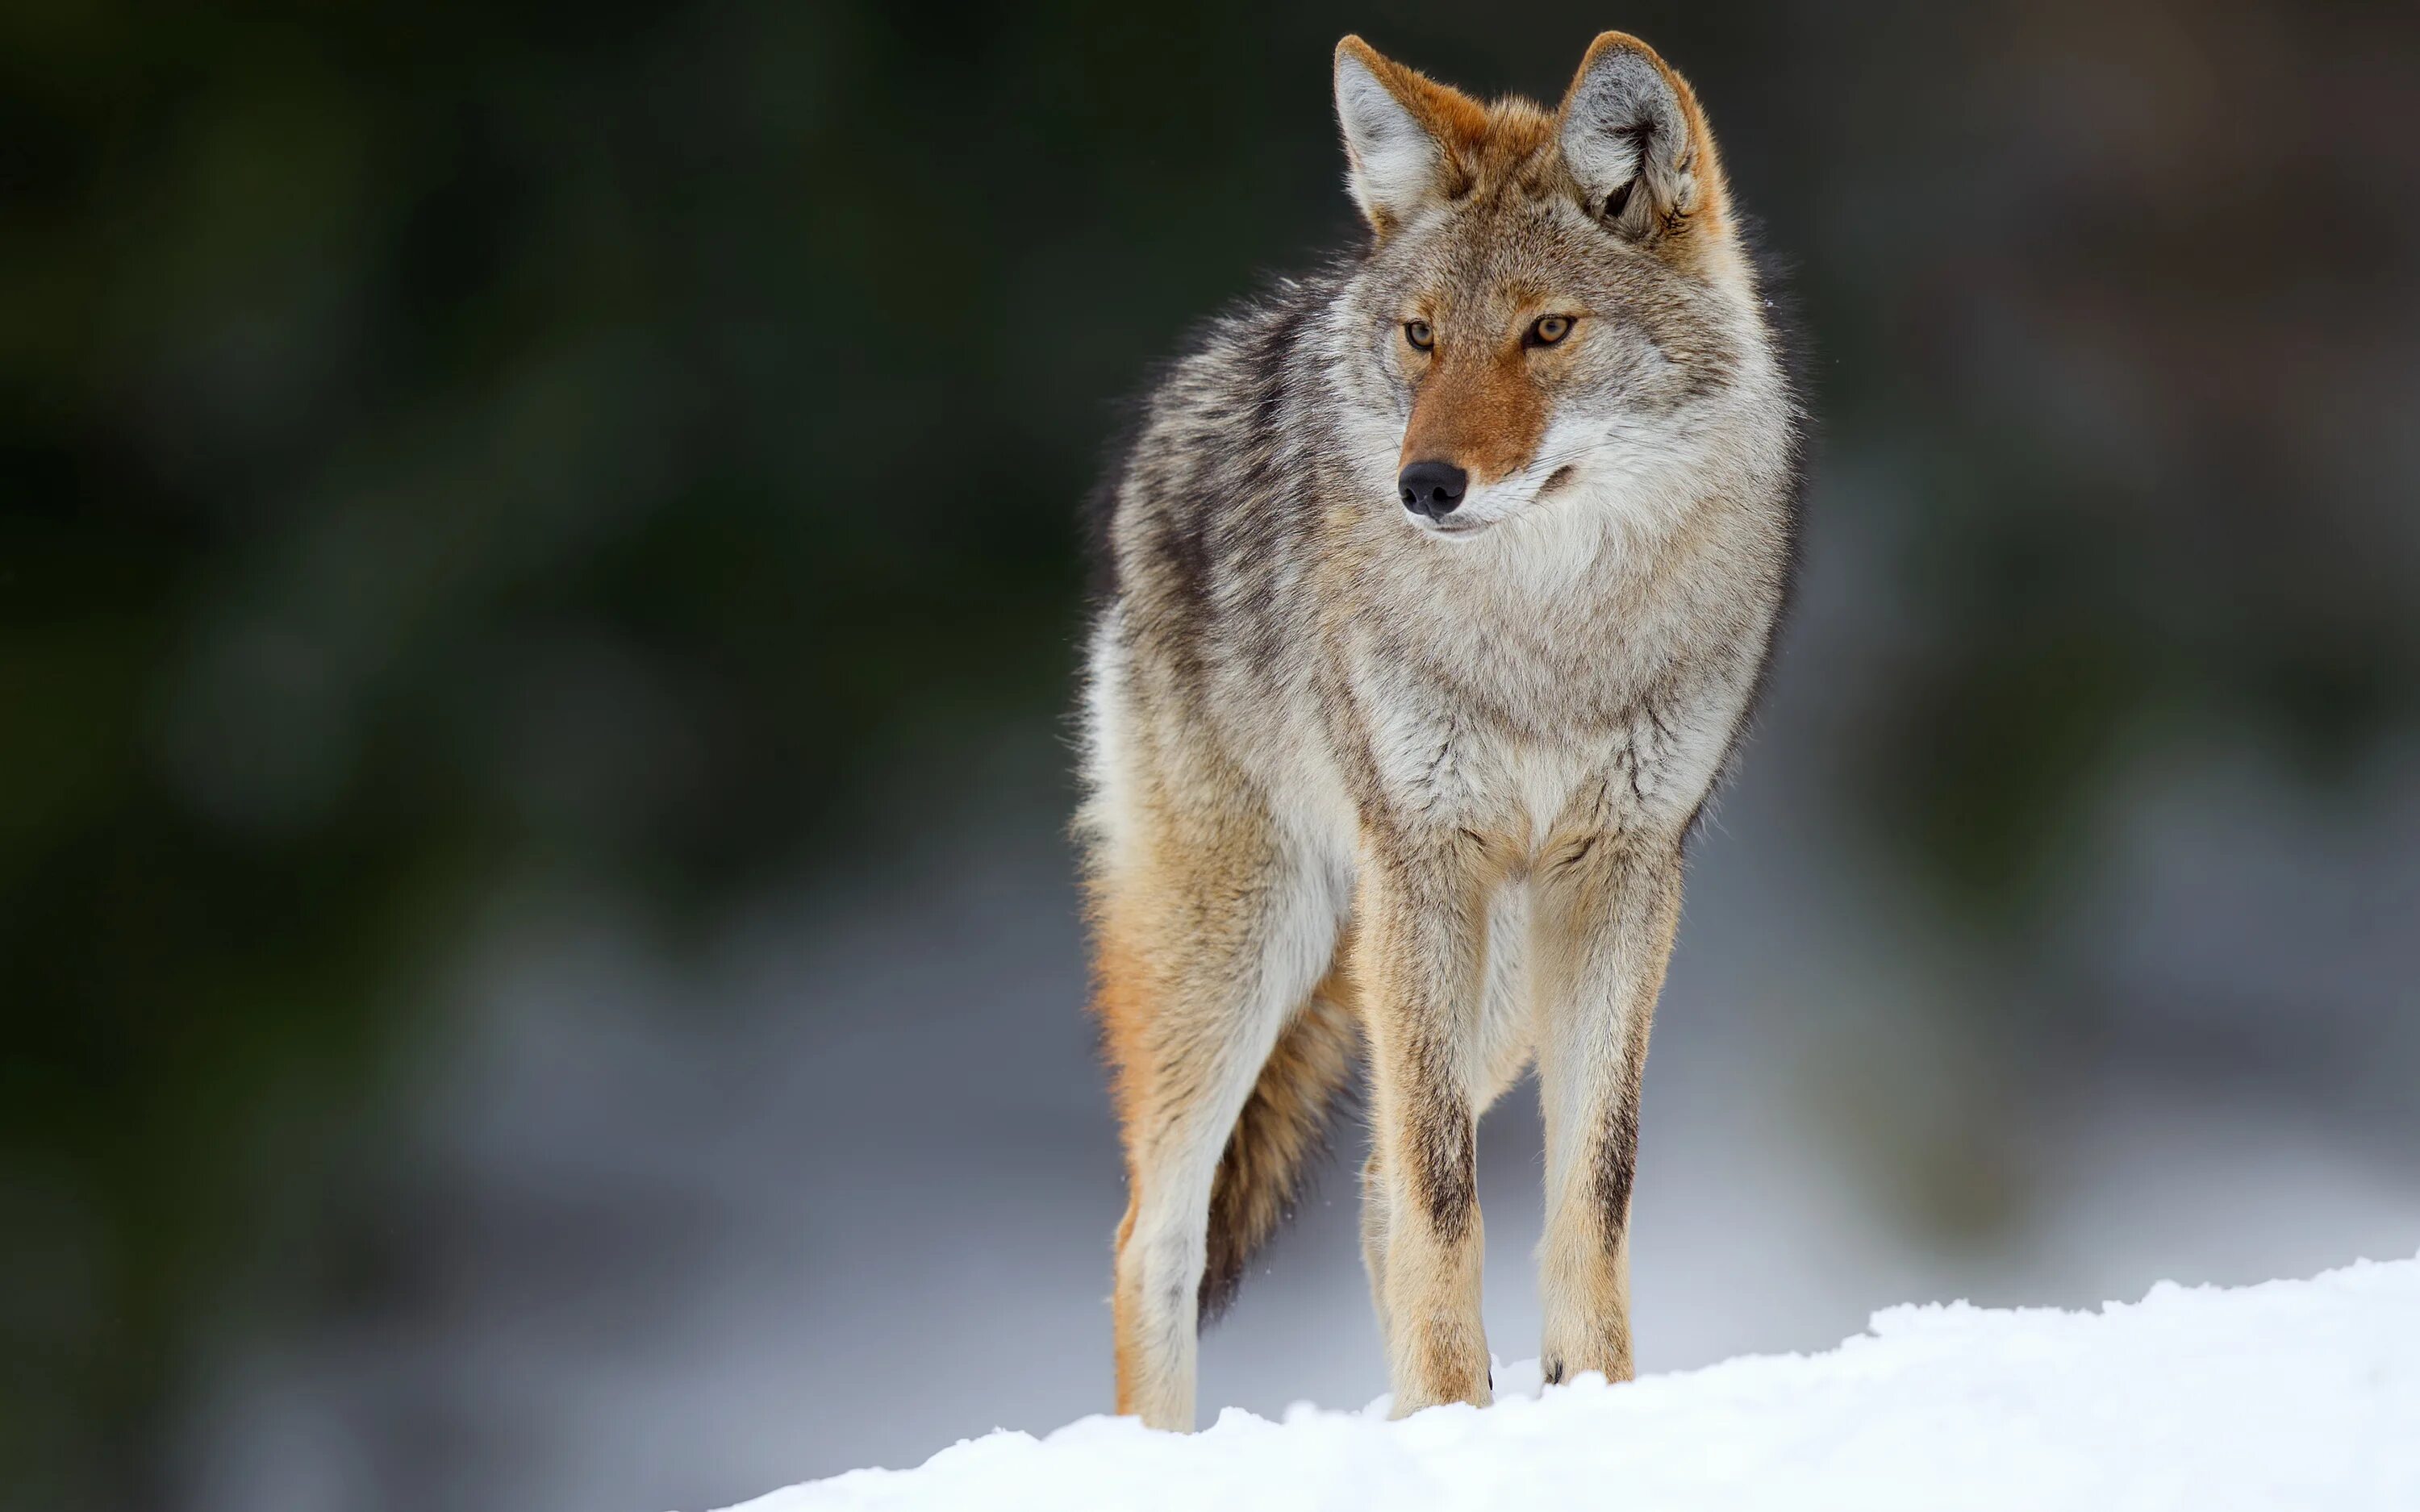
(1550, 330)
(1419, 334)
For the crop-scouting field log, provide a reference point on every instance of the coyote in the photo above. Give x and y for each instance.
(1442, 584)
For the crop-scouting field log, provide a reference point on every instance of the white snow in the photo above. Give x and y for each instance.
(2289, 1395)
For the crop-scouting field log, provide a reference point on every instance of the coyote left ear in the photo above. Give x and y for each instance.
(1635, 144)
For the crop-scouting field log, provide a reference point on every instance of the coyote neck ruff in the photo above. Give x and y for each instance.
(1444, 582)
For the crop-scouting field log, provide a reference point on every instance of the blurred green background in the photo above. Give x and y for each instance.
(461, 455)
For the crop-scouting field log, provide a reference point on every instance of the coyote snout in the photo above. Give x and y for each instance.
(1432, 488)
(1347, 788)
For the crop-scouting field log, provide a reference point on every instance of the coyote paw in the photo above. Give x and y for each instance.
(1609, 1359)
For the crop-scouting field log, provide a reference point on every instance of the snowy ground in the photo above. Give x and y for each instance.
(2294, 1394)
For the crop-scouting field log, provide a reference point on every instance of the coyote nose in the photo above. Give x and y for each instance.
(1432, 489)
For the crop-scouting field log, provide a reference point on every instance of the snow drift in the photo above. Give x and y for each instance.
(2295, 1394)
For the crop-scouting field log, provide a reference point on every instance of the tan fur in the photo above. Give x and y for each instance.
(1481, 412)
(1339, 767)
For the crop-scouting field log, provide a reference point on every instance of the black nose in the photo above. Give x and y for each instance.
(1432, 489)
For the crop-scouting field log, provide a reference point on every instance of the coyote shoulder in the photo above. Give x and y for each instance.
(1443, 583)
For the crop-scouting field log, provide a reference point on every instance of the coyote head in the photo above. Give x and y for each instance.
(1555, 309)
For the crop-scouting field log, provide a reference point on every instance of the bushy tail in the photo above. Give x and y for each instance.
(1281, 1130)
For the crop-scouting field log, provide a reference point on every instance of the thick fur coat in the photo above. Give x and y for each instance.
(1442, 584)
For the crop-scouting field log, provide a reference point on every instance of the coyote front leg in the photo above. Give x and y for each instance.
(1606, 907)
(1420, 948)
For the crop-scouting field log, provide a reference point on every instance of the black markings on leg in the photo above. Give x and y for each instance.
(1617, 1161)
(1447, 1165)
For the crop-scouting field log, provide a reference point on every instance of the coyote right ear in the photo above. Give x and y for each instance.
(1406, 137)
(1636, 143)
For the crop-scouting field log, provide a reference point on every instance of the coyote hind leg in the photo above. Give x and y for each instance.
(1201, 962)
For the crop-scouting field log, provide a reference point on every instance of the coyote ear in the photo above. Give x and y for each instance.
(1636, 143)
(1406, 135)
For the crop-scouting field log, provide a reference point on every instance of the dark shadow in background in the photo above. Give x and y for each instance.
(501, 504)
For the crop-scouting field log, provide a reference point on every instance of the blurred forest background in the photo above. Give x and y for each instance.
(539, 586)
